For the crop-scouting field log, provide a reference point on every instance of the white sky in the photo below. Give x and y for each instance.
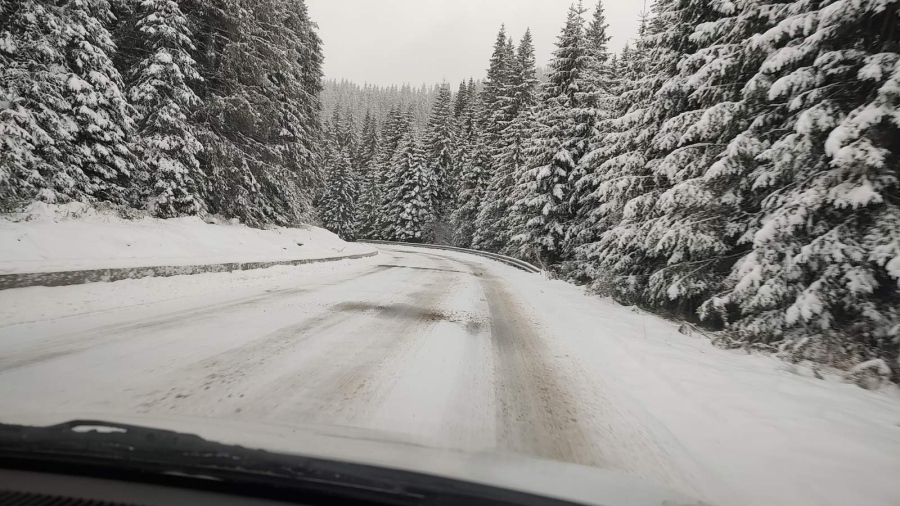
(426, 41)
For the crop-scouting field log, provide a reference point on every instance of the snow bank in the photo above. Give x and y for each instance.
(49, 238)
(733, 428)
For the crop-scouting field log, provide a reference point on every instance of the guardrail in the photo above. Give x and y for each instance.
(64, 278)
(515, 262)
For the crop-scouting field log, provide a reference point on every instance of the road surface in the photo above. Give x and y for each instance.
(418, 343)
(450, 350)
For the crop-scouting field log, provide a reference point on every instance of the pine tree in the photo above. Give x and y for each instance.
(302, 132)
(705, 161)
(440, 141)
(395, 128)
(598, 95)
(826, 242)
(560, 139)
(611, 170)
(367, 178)
(17, 157)
(474, 162)
(630, 181)
(161, 94)
(496, 91)
(262, 126)
(461, 101)
(37, 131)
(68, 119)
(468, 120)
(338, 206)
(368, 143)
(497, 218)
(99, 106)
(409, 211)
(498, 98)
(597, 39)
(347, 136)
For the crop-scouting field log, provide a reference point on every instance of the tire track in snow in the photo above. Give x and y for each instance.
(69, 344)
(215, 379)
(342, 391)
(536, 413)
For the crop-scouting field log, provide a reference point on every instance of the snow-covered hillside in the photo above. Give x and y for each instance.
(48, 238)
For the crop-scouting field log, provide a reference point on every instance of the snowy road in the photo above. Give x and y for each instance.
(452, 351)
(416, 342)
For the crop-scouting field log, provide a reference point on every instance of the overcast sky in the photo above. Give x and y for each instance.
(426, 41)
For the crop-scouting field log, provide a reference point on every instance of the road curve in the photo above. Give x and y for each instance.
(419, 344)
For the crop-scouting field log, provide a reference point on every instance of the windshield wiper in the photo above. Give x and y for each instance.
(140, 453)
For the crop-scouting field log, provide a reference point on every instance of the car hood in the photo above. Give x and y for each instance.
(570, 482)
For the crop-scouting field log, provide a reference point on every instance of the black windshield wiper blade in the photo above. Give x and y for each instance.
(96, 438)
(157, 452)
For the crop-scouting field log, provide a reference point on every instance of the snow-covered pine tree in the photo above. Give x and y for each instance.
(368, 141)
(369, 194)
(17, 157)
(611, 161)
(500, 215)
(700, 216)
(825, 257)
(365, 161)
(338, 204)
(36, 126)
(561, 129)
(409, 211)
(461, 101)
(94, 90)
(474, 160)
(598, 96)
(440, 143)
(309, 56)
(227, 112)
(498, 108)
(472, 192)
(396, 126)
(597, 47)
(495, 93)
(347, 136)
(467, 121)
(160, 91)
(626, 186)
(263, 125)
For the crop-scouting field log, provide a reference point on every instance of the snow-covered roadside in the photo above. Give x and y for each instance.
(732, 428)
(50, 238)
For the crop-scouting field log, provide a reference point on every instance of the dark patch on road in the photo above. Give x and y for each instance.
(474, 326)
(412, 312)
(393, 311)
(420, 268)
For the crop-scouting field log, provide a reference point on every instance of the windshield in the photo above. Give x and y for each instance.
(650, 241)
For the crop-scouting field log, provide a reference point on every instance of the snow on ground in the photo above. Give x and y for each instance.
(459, 352)
(47, 238)
(732, 428)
